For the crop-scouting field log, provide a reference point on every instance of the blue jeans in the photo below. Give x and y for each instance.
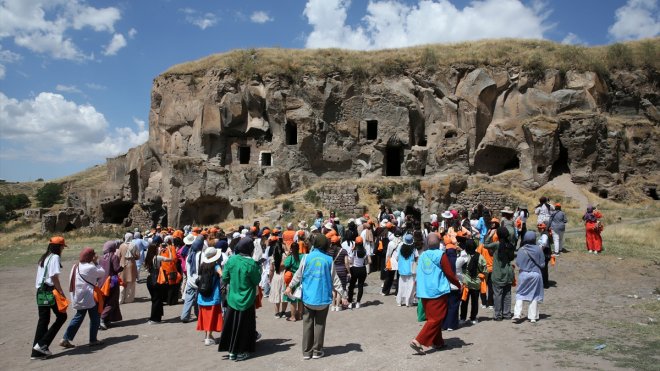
(76, 321)
(189, 303)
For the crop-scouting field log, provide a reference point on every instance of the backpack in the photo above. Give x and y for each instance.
(205, 283)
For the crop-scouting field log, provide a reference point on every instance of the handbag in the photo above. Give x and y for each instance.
(62, 301)
(45, 298)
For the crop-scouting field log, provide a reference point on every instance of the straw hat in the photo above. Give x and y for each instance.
(189, 239)
(211, 255)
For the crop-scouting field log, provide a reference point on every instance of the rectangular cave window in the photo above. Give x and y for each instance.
(372, 129)
(266, 159)
(243, 155)
(422, 141)
(393, 158)
(291, 134)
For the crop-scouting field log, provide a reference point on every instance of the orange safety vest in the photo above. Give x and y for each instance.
(287, 237)
(168, 274)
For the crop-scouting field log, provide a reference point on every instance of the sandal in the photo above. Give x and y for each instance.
(417, 348)
(292, 319)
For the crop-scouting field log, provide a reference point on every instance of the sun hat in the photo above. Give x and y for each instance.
(235, 235)
(57, 240)
(328, 225)
(506, 210)
(211, 255)
(446, 214)
(408, 239)
(189, 239)
(302, 224)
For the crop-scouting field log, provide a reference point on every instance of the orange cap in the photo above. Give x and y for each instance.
(389, 225)
(178, 234)
(301, 233)
(273, 238)
(557, 204)
(358, 239)
(276, 231)
(213, 230)
(265, 232)
(541, 225)
(253, 229)
(57, 240)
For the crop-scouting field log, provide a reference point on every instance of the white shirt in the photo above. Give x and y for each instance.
(53, 267)
(83, 296)
(462, 259)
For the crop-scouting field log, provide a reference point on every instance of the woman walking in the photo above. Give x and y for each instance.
(359, 260)
(291, 265)
(558, 222)
(48, 279)
(157, 291)
(433, 278)
(241, 275)
(593, 228)
(84, 278)
(111, 266)
(406, 258)
(208, 297)
(128, 257)
(530, 261)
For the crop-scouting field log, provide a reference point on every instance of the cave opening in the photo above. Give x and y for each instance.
(493, 160)
(133, 184)
(291, 134)
(603, 193)
(70, 227)
(393, 159)
(422, 141)
(653, 193)
(561, 165)
(243, 155)
(372, 129)
(116, 212)
(266, 159)
(206, 210)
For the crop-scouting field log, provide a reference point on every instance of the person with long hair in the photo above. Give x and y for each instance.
(277, 277)
(433, 278)
(157, 291)
(48, 279)
(359, 260)
(291, 265)
(475, 266)
(208, 296)
(84, 278)
(340, 263)
(111, 265)
(241, 275)
(406, 258)
(503, 253)
(194, 261)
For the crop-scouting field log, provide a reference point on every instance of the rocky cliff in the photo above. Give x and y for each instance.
(220, 134)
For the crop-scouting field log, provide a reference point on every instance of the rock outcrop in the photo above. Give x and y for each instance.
(216, 139)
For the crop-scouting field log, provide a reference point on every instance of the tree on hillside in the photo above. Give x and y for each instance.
(14, 202)
(49, 194)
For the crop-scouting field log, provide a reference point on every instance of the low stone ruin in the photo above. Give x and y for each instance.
(64, 220)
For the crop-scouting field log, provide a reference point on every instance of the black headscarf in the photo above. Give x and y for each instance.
(245, 246)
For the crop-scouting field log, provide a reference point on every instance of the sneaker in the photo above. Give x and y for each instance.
(232, 356)
(42, 350)
(278, 315)
(357, 305)
(383, 294)
(450, 329)
(210, 341)
(483, 306)
(515, 318)
(399, 305)
(318, 355)
(66, 344)
(258, 336)
(104, 327)
(532, 321)
(305, 358)
(474, 321)
(40, 358)
(150, 322)
(242, 356)
(490, 307)
(95, 343)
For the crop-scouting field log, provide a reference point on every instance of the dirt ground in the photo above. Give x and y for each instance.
(596, 300)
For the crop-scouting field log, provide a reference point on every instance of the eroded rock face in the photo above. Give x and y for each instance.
(215, 141)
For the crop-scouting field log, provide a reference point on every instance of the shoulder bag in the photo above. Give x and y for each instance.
(45, 298)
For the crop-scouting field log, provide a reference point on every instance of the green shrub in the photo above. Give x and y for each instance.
(14, 202)
(312, 197)
(288, 207)
(535, 68)
(49, 194)
(429, 60)
(619, 56)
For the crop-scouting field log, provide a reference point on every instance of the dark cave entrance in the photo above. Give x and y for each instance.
(133, 183)
(291, 134)
(393, 159)
(560, 166)
(493, 160)
(207, 210)
(372, 129)
(116, 212)
(243, 155)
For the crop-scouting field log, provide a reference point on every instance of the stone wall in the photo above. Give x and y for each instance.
(35, 214)
(494, 201)
(342, 199)
(64, 220)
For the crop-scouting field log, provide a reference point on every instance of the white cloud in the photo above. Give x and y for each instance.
(118, 41)
(140, 123)
(95, 86)
(636, 20)
(7, 56)
(50, 128)
(573, 39)
(67, 89)
(42, 25)
(392, 24)
(2, 71)
(131, 33)
(260, 17)
(203, 21)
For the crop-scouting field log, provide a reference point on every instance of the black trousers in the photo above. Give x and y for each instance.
(358, 275)
(157, 293)
(389, 280)
(473, 298)
(487, 299)
(544, 274)
(45, 335)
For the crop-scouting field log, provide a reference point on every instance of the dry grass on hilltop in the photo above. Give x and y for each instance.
(535, 55)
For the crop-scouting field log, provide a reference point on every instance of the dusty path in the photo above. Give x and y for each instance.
(579, 312)
(570, 189)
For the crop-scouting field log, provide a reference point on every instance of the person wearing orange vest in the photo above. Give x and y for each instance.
(168, 274)
(491, 237)
(288, 236)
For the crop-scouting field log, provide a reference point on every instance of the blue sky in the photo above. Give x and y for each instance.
(75, 75)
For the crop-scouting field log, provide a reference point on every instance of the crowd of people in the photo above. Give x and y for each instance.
(440, 266)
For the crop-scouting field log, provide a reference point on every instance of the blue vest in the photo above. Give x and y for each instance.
(405, 265)
(431, 280)
(317, 279)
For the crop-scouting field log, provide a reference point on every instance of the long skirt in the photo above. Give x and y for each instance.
(210, 318)
(239, 334)
(406, 293)
(111, 311)
(431, 333)
(276, 288)
(594, 240)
